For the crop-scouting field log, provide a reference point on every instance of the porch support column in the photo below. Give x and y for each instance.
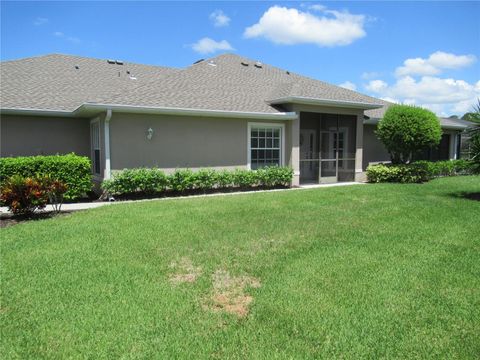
(295, 155)
(359, 174)
(453, 146)
(106, 131)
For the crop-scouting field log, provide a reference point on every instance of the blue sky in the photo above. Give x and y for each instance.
(425, 53)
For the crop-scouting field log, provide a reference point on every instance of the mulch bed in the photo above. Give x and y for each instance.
(10, 220)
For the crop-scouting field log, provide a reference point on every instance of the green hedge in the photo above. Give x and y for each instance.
(447, 167)
(73, 170)
(417, 172)
(151, 181)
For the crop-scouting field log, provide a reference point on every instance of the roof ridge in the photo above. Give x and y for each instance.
(88, 58)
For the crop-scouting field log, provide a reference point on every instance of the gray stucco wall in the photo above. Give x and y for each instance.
(35, 135)
(373, 148)
(181, 142)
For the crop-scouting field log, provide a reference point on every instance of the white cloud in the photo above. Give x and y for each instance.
(434, 64)
(348, 85)
(442, 95)
(71, 39)
(207, 46)
(289, 26)
(317, 7)
(40, 21)
(376, 86)
(219, 18)
(370, 75)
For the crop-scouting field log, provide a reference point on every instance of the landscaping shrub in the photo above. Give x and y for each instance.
(72, 170)
(406, 130)
(141, 180)
(224, 179)
(447, 167)
(412, 173)
(204, 179)
(181, 180)
(245, 178)
(25, 195)
(154, 181)
(55, 190)
(419, 171)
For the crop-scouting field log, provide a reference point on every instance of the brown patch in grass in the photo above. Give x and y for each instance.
(185, 272)
(229, 293)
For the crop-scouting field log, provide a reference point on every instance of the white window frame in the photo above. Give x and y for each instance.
(96, 122)
(251, 125)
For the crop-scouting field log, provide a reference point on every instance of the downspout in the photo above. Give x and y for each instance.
(108, 116)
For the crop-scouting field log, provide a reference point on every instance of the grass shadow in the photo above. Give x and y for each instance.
(466, 195)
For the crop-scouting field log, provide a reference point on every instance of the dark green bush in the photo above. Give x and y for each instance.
(181, 180)
(447, 167)
(412, 173)
(417, 172)
(72, 170)
(141, 180)
(406, 130)
(154, 181)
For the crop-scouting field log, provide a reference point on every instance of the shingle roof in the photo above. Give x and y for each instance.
(52, 81)
(448, 123)
(222, 83)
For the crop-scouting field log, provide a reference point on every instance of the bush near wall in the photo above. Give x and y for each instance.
(153, 181)
(417, 172)
(72, 170)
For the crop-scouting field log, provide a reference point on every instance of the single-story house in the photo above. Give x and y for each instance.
(224, 112)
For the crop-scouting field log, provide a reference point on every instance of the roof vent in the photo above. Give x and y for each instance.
(212, 63)
(198, 61)
(111, 61)
(77, 67)
(244, 63)
(288, 72)
(119, 62)
(258, 64)
(128, 72)
(132, 77)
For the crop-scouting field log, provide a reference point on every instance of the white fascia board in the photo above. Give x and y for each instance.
(36, 112)
(324, 102)
(188, 112)
(85, 108)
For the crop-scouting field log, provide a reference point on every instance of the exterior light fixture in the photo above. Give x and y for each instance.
(149, 133)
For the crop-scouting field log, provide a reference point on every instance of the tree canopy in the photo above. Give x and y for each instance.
(406, 130)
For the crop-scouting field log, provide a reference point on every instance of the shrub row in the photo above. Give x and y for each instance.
(417, 172)
(72, 170)
(447, 167)
(154, 181)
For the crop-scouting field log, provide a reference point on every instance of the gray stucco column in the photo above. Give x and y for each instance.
(295, 155)
(359, 174)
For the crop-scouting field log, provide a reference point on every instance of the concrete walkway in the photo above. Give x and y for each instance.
(92, 205)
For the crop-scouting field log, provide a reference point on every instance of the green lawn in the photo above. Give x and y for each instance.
(364, 271)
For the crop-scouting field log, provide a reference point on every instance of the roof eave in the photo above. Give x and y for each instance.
(36, 112)
(324, 102)
(92, 109)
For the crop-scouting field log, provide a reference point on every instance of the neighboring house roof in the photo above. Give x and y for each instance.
(445, 123)
(374, 116)
(225, 83)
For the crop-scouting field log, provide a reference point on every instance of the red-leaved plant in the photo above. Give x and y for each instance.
(23, 195)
